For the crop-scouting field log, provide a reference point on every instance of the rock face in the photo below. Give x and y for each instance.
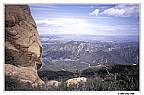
(22, 49)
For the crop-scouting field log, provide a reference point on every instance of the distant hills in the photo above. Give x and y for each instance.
(103, 38)
(71, 54)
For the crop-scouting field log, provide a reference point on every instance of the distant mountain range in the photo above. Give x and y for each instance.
(106, 38)
(71, 54)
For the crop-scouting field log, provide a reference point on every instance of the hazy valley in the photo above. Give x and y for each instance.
(66, 53)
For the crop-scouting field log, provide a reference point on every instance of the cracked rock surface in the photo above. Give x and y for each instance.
(22, 48)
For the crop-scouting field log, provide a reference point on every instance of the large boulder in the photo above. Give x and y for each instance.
(22, 78)
(22, 48)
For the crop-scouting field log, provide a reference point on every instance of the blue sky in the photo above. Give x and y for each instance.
(91, 19)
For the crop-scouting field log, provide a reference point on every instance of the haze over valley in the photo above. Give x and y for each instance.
(72, 52)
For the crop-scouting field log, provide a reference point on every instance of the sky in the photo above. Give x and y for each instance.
(89, 19)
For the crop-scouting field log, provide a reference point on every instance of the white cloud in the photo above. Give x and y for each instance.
(78, 26)
(66, 25)
(60, 21)
(122, 11)
(94, 13)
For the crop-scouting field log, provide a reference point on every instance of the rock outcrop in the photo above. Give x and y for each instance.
(22, 49)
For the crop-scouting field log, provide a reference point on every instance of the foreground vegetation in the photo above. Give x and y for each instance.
(109, 78)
